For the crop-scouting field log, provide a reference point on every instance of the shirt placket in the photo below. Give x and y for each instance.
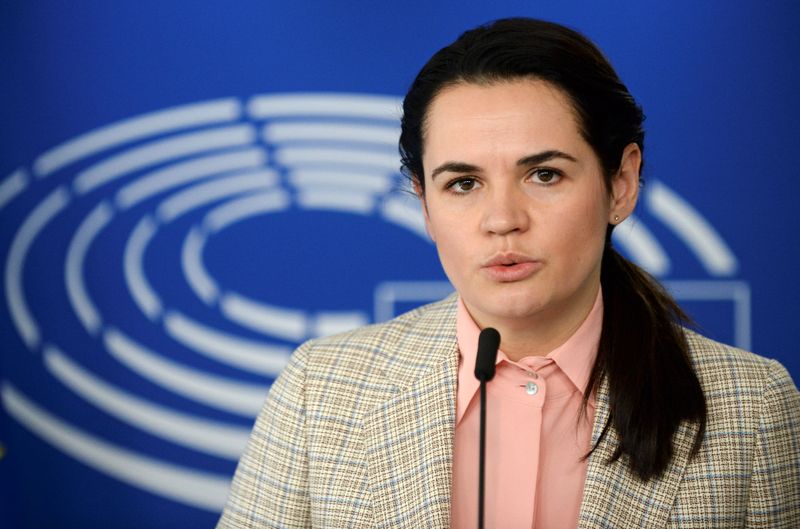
(536, 388)
(519, 401)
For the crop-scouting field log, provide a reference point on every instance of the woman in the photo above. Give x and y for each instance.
(525, 150)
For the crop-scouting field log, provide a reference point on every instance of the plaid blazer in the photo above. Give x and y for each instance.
(358, 432)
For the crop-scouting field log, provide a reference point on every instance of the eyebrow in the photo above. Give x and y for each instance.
(533, 159)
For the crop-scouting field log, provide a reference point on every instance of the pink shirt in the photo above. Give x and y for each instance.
(534, 438)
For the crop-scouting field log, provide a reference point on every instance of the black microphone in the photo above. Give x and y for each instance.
(488, 343)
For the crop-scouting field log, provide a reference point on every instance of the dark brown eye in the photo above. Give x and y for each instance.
(466, 184)
(546, 176)
(463, 185)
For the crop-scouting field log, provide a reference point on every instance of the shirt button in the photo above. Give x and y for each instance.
(532, 374)
(531, 388)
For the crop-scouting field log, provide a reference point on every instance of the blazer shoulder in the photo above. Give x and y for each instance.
(409, 339)
(718, 364)
(741, 388)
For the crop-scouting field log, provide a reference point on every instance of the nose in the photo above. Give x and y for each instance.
(505, 212)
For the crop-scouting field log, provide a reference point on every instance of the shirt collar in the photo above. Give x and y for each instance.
(575, 357)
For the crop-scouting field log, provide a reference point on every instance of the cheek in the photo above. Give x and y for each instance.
(443, 225)
(452, 241)
(581, 236)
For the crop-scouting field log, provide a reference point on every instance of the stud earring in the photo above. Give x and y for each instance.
(616, 218)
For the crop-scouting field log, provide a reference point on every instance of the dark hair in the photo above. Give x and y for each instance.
(642, 351)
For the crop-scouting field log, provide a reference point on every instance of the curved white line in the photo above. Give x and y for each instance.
(279, 132)
(140, 289)
(693, 229)
(318, 104)
(162, 121)
(79, 246)
(287, 324)
(351, 180)
(642, 246)
(191, 487)
(336, 200)
(33, 224)
(202, 194)
(204, 435)
(315, 156)
(405, 212)
(12, 186)
(236, 210)
(182, 173)
(329, 323)
(223, 394)
(192, 263)
(250, 355)
(161, 151)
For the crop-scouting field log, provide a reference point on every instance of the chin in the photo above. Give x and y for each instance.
(516, 307)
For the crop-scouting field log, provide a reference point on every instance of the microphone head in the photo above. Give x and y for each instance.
(488, 343)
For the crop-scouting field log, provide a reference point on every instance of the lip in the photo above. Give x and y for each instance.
(510, 267)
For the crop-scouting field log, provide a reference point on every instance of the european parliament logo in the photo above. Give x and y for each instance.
(158, 272)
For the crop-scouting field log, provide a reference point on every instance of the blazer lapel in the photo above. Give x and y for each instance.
(613, 496)
(409, 438)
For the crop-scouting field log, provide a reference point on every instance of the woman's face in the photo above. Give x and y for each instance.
(515, 202)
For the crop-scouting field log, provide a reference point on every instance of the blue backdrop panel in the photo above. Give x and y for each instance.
(189, 190)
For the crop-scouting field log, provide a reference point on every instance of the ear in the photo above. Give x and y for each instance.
(625, 185)
(421, 196)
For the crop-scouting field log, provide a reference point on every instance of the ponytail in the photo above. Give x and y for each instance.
(644, 355)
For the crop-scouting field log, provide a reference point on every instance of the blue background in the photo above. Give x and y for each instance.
(718, 83)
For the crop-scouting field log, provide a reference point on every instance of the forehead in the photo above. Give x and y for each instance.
(530, 112)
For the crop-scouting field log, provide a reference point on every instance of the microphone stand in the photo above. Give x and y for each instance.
(482, 459)
(488, 343)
